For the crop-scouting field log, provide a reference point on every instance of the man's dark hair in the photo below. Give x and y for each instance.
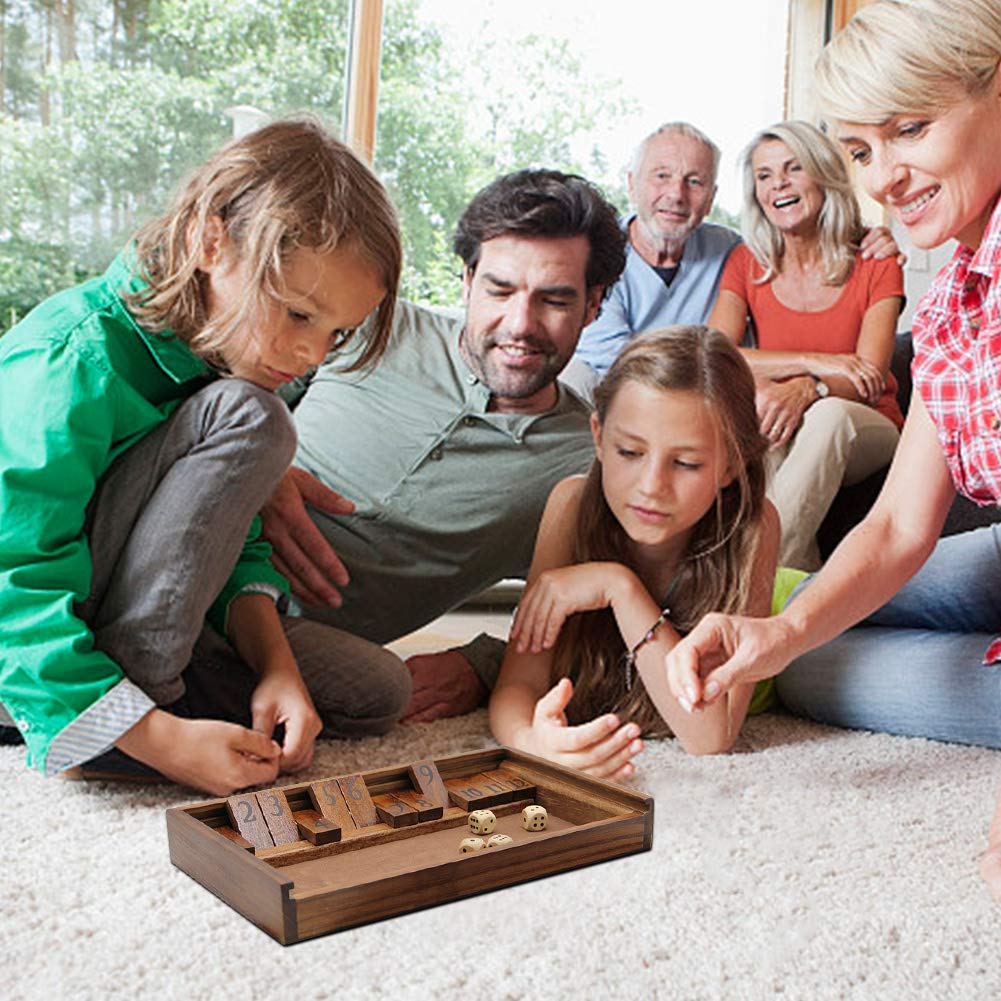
(545, 203)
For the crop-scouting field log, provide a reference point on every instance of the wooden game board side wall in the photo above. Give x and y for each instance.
(320, 913)
(563, 788)
(255, 889)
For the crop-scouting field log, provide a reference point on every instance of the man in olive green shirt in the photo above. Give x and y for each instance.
(449, 448)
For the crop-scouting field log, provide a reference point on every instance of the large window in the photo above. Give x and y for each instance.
(475, 88)
(105, 103)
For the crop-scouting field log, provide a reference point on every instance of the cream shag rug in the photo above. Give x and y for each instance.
(810, 864)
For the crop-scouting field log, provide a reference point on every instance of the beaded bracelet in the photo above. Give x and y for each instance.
(630, 657)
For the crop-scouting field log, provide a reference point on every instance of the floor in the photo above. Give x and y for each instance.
(455, 629)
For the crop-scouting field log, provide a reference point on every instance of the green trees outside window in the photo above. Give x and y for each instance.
(104, 104)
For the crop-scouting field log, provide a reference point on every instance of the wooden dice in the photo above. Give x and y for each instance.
(482, 821)
(468, 845)
(534, 818)
(499, 840)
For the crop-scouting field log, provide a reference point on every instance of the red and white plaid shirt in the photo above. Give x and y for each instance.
(957, 368)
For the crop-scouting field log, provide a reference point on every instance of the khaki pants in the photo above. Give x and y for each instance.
(839, 443)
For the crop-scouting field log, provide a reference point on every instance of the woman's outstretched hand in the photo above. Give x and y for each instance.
(723, 651)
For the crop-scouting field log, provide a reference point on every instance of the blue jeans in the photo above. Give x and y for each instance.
(914, 667)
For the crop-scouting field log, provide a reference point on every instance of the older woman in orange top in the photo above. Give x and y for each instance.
(824, 319)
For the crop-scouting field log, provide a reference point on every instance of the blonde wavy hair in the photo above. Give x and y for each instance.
(904, 56)
(714, 574)
(285, 186)
(840, 224)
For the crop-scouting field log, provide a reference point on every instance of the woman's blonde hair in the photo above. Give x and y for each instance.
(714, 575)
(286, 186)
(840, 223)
(906, 56)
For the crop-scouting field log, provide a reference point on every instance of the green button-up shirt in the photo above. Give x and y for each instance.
(80, 382)
(449, 494)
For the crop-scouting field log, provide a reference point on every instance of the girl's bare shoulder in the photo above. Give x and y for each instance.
(564, 498)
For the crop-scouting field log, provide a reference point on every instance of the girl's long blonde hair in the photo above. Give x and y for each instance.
(715, 573)
(286, 186)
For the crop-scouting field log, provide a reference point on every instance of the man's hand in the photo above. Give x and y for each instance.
(878, 242)
(781, 406)
(601, 747)
(444, 684)
(723, 651)
(206, 754)
(281, 697)
(301, 553)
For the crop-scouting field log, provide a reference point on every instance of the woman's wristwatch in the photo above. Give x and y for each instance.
(823, 390)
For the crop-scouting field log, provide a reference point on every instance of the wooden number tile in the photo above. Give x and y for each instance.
(245, 815)
(523, 789)
(426, 810)
(428, 782)
(278, 816)
(359, 801)
(238, 839)
(498, 786)
(395, 811)
(329, 802)
(469, 794)
(315, 828)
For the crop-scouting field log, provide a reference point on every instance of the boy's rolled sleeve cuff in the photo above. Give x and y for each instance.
(263, 580)
(96, 728)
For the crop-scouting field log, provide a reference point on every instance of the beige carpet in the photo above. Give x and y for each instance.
(812, 864)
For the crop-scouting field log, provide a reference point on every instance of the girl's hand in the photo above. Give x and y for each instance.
(864, 376)
(281, 697)
(206, 754)
(601, 747)
(556, 594)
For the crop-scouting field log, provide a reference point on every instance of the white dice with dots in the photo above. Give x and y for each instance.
(534, 818)
(482, 821)
(498, 840)
(468, 845)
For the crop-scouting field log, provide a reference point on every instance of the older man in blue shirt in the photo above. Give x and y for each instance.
(673, 259)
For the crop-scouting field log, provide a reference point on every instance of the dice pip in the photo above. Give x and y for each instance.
(533, 818)
(482, 821)
(468, 845)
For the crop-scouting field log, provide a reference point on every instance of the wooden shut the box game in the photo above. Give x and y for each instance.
(303, 860)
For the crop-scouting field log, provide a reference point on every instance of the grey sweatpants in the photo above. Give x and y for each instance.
(166, 527)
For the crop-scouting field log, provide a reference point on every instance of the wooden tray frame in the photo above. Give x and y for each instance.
(609, 822)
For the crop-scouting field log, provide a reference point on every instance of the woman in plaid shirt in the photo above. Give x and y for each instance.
(913, 93)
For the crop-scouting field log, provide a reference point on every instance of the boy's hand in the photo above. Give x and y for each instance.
(216, 757)
(281, 697)
(601, 747)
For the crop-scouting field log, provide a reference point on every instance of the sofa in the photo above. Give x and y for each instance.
(852, 503)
